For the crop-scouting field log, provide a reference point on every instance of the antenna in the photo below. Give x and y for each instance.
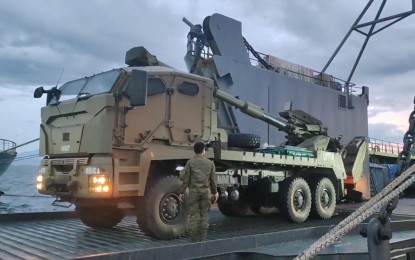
(60, 76)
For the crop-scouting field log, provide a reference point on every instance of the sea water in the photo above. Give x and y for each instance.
(19, 185)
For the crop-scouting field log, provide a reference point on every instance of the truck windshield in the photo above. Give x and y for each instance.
(88, 86)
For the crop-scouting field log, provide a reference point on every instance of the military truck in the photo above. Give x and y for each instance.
(118, 140)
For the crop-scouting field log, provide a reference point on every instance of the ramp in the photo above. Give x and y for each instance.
(63, 236)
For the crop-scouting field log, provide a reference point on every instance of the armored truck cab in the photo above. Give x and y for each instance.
(103, 135)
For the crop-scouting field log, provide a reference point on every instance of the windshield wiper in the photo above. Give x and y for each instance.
(83, 95)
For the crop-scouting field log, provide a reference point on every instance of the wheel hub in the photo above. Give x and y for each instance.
(325, 198)
(299, 200)
(170, 207)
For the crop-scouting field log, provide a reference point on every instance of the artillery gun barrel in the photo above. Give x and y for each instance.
(184, 19)
(251, 110)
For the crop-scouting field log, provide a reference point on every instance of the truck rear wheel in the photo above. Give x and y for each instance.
(324, 198)
(161, 214)
(255, 209)
(295, 198)
(100, 217)
(232, 210)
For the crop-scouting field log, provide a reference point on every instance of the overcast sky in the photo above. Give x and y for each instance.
(39, 39)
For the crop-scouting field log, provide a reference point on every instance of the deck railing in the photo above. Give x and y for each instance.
(382, 146)
(6, 144)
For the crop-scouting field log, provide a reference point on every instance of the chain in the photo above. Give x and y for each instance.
(256, 55)
(404, 157)
(403, 162)
(373, 205)
(380, 201)
(25, 196)
(199, 45)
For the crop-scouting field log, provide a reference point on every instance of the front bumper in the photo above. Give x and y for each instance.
(76, 177)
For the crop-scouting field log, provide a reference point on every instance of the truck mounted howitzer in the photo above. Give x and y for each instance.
(123, 140)
(299, 125)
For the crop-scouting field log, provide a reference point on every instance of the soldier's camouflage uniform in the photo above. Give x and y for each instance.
(200, 179)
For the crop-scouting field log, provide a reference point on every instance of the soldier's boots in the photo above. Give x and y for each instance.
(197, 237)
(203, 234)
(194, 236)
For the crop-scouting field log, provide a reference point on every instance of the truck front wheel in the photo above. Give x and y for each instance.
(100, 217)
(324, 198)
(161, 214)
(295, 197)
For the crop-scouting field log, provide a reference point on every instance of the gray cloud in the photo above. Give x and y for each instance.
(40, 38)
(387, 132)
(80, 38)
(376, 111)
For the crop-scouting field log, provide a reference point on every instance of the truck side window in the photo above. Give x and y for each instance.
(155, 86)
(188, 88)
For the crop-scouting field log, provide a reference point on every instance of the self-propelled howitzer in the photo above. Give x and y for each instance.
(123, 139)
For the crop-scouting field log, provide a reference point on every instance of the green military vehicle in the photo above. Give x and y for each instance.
(118, 140)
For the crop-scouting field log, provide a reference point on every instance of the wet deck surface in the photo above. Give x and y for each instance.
(68, 238)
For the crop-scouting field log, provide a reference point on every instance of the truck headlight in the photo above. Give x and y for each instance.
(39, 182)
(99, 183)
(39, 178)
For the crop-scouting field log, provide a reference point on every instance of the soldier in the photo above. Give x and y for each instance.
(200, 179)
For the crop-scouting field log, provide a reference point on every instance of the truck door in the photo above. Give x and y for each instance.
(145, 122)
(186, 111)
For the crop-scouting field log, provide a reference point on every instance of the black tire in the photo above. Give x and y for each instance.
(161, 196)
(248, 141)
(100, 217)
(323, 198)
(255, 209)
(295, 199)
(233, 210)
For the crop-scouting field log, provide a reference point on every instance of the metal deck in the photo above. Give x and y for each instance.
(62, 236)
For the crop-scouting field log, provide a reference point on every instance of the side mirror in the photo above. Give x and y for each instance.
(136, 89)
(38, 92)
(53, 92)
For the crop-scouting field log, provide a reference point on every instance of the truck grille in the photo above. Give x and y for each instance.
(65, 161)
